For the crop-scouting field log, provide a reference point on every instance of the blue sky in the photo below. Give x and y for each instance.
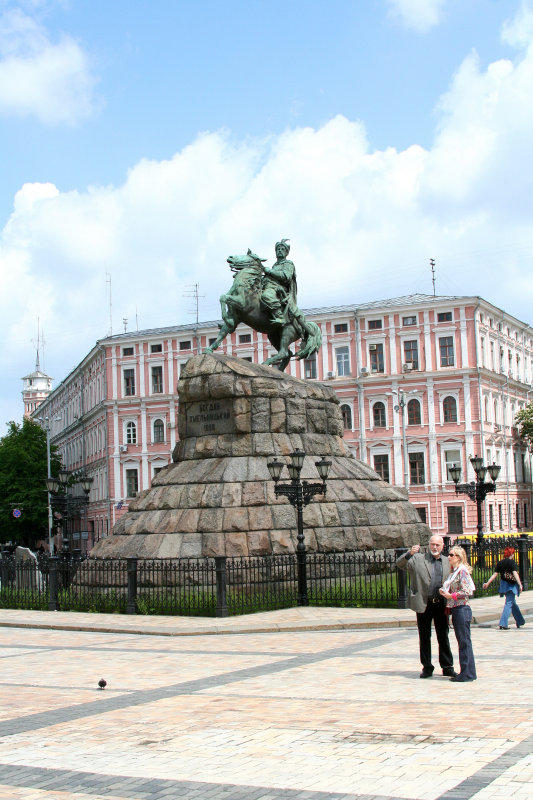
(151, 140)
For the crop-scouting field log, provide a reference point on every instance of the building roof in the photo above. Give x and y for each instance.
(405, 300)
(37, 374)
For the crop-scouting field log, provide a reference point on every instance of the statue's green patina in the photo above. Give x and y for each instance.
(265, 299)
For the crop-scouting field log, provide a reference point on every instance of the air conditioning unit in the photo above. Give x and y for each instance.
(372, 347)
(408, 367)
(123, 448)
(363, 371)
(331, 375)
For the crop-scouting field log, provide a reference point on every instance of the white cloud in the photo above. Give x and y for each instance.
(363, 224)
(38, 78)
(420, 15)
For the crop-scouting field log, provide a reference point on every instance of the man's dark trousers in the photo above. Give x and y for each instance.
(435, 612)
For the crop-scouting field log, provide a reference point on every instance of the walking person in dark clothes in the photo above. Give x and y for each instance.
(510, 587)
(428, 571)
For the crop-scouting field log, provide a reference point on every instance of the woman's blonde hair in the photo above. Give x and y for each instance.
(461, 555)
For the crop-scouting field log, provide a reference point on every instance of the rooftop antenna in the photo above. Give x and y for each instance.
(136, 319)
(40, 342)
(108, 289)
(125, 323)
(193, 292)
(432, 265)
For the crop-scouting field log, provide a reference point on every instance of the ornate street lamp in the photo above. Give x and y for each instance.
(299, 493)
(476, 490)
(64, 504)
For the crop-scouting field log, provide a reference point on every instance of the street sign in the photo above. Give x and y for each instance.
(17, 513)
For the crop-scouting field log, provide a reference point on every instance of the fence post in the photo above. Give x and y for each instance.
(222, 606)
(402, 579)
(53, 605)
(523, 561)
(131, 567)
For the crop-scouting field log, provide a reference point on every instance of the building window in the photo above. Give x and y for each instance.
(482, 348)
(377, 363)
(157, 380)
(455, 519)
(185, 345)
(212, 340)
(491, 517)
(247, 358)
(127, 351)
(341, 327)
(129, 382)
(410, 353)
(444, 316)
(446, 351)
(406, 321)
(157, 469)
(245, 338)
(452, 458)
(346, 417)
(422, 513)
(131, 433)
(413, 413)
(449, 409)
(416, 469)
(518, 515)
(375, 324)
(310, 368)
(378, 413)
(342, 356)
(500, 516)
(156, 348)
(159, 431)
(381, 466)
(132, 482)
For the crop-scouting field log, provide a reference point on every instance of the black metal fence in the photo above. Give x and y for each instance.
(226, 586)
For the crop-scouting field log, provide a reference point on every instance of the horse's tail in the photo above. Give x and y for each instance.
(311, 336)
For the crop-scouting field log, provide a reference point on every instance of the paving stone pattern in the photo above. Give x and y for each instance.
(306, 715)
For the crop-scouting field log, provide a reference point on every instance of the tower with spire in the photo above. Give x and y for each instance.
(36, 386)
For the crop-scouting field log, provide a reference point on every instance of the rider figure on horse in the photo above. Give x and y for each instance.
(279, 287)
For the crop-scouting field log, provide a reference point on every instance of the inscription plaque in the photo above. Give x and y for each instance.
(209, 418)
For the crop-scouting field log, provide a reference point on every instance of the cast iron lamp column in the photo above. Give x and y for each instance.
(57, 492)
(299, 493)
(478, 490)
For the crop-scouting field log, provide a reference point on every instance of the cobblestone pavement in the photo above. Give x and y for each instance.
(301, 715)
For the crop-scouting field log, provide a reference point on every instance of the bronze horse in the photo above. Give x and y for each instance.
(243, 304)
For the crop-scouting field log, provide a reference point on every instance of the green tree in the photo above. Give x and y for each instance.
(23, 470)
(525, 419)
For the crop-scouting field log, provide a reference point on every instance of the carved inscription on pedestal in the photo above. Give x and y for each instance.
(210, 418)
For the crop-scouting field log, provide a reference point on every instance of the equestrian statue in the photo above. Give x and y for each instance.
(265, 300)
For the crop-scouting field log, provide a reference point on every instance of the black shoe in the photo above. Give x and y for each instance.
(503, 628)
(425, 674)
(449, 673)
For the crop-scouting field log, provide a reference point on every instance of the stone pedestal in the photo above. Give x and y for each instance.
(217, 498)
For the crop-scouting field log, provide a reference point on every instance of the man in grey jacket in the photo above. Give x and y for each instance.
(428, 572)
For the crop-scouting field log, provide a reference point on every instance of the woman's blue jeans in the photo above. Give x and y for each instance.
(511, 607)
(461, 618)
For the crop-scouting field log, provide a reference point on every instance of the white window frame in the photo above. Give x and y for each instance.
(340, 346)
(161, 418)
(126, 423)
(447, 447)
(151, 367)
(442, 397)
(348, 403)
(373, 402)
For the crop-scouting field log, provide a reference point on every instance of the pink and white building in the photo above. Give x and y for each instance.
(424, 382)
